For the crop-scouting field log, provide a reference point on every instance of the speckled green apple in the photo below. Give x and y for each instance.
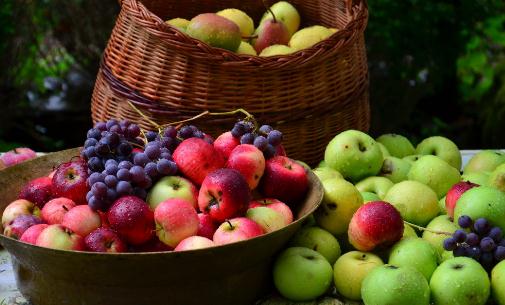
(497, 178)
(480, 178)
(484, 161)
(498, 283)
(324, 173)
(436, 173)
(377, 185)
(395, 169)
(482, 201)
(318, 240)
(369, 197)
(426, 257)
(397, 145)
(441, 147)
(440, 223)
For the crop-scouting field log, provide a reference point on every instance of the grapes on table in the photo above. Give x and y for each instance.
(265, 138)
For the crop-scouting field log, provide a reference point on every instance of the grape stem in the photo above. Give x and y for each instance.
(428, 230)
(143, 115)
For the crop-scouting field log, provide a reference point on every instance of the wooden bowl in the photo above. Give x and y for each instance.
(235, 274)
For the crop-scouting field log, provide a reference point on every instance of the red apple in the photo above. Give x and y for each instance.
(285, 180)
(375, 224)
(193, 243)
(152, 245)
(225, 143)
(249, 161)
(82, 220)
(224, 194)
(206, 226)
(236, 229)
(54, 210)
(58, 237)
(39, 191)
(196, 158)
(132, 219)
(32, 233)
(104, 240)
(51, 174)
(20, 224)
(16, 156)
(175, 220)
(280, 151)
(19, 207)
(454, 193)
(69, 181)
(275, 205)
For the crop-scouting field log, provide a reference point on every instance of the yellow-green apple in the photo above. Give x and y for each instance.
(236, 229)
(276, 49)
(441, 205)
(397, 145)
(20, 224)
(408, 232)
(301, 274)
(442, 223)
(377, 185)
(32, 233)
(39, 191)
(350, 270)
(426, 256)
(82, 220)
(270, 32)
(215, 30)
(341, 199)
(454, 193)
(17, 208)
(285, 180)
(179, 23)
(55, 209)
(105, 240)
(225, 143)
(175, 220)
(441, 147)
(369, 197)
(249, 161)
(318, 240)
(132, 219)
(498, 283)
(245, 48)
(375, 224)
(480, 178)
(206, 226)
(241, 19)
(435, 173)
(460, 280)
(172, 187)
(15, 156)
(224, 194)
(354, 154)
(482, 202)
(193, 243)
(395, 169)
(69, 181)
(412, 158)
(196, 159)
(308, 37)
(385, 151)
(268, 219)
(285, 12)
(417, 202)
(389, 284)
(324, 173)
(58, 237)
(497, 178)
(275, 205)
(484, 161)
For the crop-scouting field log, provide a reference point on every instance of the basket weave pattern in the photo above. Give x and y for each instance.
(309, 95)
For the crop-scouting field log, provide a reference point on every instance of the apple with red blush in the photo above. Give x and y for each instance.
(17, 208)
(69, 181)
(152, 245)
(132, 219)
(225, 143)
(58, 237)
(275, 205)
(20, 224)
(105, 240)
(249, 161)
(82, 220)
(194, 243)
(206, 226)
(32, 233)
(55, 209)
(175, 220)
(454, 193)
(236, 229)
(39, 191)
(16, 156)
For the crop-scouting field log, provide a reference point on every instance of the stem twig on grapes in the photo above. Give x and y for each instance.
(144, 116)
(187, 120)
(428, 230)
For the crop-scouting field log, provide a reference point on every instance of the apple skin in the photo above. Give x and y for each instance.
(324, 173)
(498, 282)
(426, 256)
(482, 202)
(348, 151)
(484, 161)
(412, 158)
(39, 191)
(497, 178)
(17, 208)
(408, 232)
(275, 205)
(301, 274)
(215, 30)
(369, 197)
(193, 243)
(236, 229)
(32, 233)
(240, 18)
(152, 245)
(206, 226)
(82, 220)
(58, 237)
(175, 220)
(20, 224)
(441, 205)
(268, 219)
(16, 156)
(454, 193)
(350, 270)
(224, 194)
(375, 224)
(460, 280)
(442, 223)
(377, 185)
(391, 284)
(69, 181)
(225, 143)
(341, 199)
(480, 178)
(249, 161)
(318, 240)
(417, 202)
(385, 151)
(55, 209)
(172, 187)
(435, 173)
(395, 169)
(285, 12)
(132, 219)
(397, 145)
(441, 147)
(105, 240)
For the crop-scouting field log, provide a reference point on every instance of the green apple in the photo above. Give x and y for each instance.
(354, 154)
(377, 185)
(389, 284)
(170, 187)
(241, 19)
(412, 158)
(480, 178)
(441, 147)
(482, 201)
(461, 281)
(416, 202)
(369, 196)
(497, 178)
(447, 255)
(441, 205)
(310, 221)
(324, 173)
(484, 161)
(385, 152)
(435, 173)
(341, 199)
(498, 283)
(179, 23)
(308, 37)
(397, 145)
(318, 240)
(395, 169)
(351, 269)
(425, 256)
(409, 232)
(302, 274)
(276, 49)
(285, 12)
(269, 219)
(246, 49)
(322, 164)
(440, 223)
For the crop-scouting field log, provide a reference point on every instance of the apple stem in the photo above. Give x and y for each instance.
(270, 10)
(428, 230)
(229, 223)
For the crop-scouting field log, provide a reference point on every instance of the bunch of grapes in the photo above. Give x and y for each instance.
(484, 243)
(264, 138)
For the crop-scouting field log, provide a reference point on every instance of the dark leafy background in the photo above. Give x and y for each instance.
(436, 67)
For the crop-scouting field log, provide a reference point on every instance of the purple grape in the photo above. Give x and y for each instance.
(124, 164)
(132, 131)
(111, 194)
(88, 195)
(185, 132)
(141, 159)
(261, 143)
(164, 167)
(481, 226)
(140, 192)
(198, 134)
(111, 162)
(95, 164)
(487, 244)
(124, 188)
(93, 133)
(123, 175)
(465, 221)
(90, 142)
(124, 149)
(502, 243)
(89, 152)
(265, 129)
(474, 252)
(94, 178)
(137, 173)
(459, 251)
(111, 169)
(275, 137)
(166, 142)
(249, 127)
(472, 239)
(124, 124)
(170, 132)
(116, 129)
(99, 190)
(459, 236)
(151, 169)
(145, 183)
(111, 181)
(486, 259)
(153, 150)
(166, 155)
(96, 204)
(151, 136)
(247, 138)
(450, 244)
(111, 123)
(270, 151)
(499, 253)
(238, 130)
(496, 234)
(101, 126)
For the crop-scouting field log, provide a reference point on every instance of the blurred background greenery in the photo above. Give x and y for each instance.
(436, 67)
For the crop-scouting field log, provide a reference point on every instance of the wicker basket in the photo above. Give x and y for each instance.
(309, 95)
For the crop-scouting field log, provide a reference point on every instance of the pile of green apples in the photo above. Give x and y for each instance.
(232, 29)
(378, 235)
